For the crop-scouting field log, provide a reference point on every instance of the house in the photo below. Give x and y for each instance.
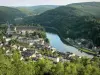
(14, 46)
(8, 39)
(30, 44)
(26, 40)
(18, 48)
(24, 29)
(9, 31)
(41, 41)
(33, 56)
(57, 59)
(15, 36)
(21, 58)
(8, 52)
(27, 53)
(4, 48)
(4, 37)
(53, 50)
(24, 49)
(38, 55)
(71, 55)
(1, 44)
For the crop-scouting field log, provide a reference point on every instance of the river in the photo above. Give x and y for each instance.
(56, 42)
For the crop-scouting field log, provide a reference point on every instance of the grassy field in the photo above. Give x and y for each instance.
(87, 51)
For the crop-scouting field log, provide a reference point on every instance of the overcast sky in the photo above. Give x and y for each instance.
(40, 2)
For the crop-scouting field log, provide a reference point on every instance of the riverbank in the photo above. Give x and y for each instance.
(57, 43)
(87, 51)
(53, 30)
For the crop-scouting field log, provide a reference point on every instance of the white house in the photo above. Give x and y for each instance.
(34, 55)
(8, 39)
(4, 37)
(30, 44)
(24, 49)
(57, 59)
(71, 55)
(14, 46)
(21, 58)
(1, 45)
(53, 50)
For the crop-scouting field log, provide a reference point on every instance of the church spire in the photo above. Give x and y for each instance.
(8, 29)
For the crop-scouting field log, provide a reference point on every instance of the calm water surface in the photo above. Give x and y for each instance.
(56, 42)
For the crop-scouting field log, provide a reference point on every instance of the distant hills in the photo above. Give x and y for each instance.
(36, 10)
(9, 14)
(79, 20)
(92, 8)
(12, 13)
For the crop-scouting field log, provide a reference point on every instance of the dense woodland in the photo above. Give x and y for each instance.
(81, 20)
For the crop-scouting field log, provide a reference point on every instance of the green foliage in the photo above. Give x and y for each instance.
(44, 66)
(41, 34)
(48, 53)
(47, 40)
(14, 66)
(58, 69)
(87, 51)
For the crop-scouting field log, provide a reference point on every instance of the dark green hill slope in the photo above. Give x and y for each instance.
(75, 20)
(92, 8)
(9, 14)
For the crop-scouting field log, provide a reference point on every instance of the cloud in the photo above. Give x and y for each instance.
(39, 2)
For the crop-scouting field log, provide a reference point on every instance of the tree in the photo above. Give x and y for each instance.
(47, 40)
(43, 66)
(58, 69)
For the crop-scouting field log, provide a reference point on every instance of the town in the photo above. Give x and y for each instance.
(31, 42)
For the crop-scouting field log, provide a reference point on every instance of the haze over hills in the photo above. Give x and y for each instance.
(36, 10)
(79, 20)
(9, 14)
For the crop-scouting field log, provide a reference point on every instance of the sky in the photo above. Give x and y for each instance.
(40, 2)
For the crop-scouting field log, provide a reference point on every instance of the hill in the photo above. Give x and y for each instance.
(92, 8)
(36, 10)
(9, 14)
(80, 20)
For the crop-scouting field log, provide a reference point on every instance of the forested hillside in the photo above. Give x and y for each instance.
(92, 8)
(9, 14)
(36, 10)
(79, 20)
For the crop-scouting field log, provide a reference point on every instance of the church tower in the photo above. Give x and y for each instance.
(8, 29)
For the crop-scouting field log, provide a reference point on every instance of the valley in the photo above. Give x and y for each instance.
(50, 39)
(72, 22)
